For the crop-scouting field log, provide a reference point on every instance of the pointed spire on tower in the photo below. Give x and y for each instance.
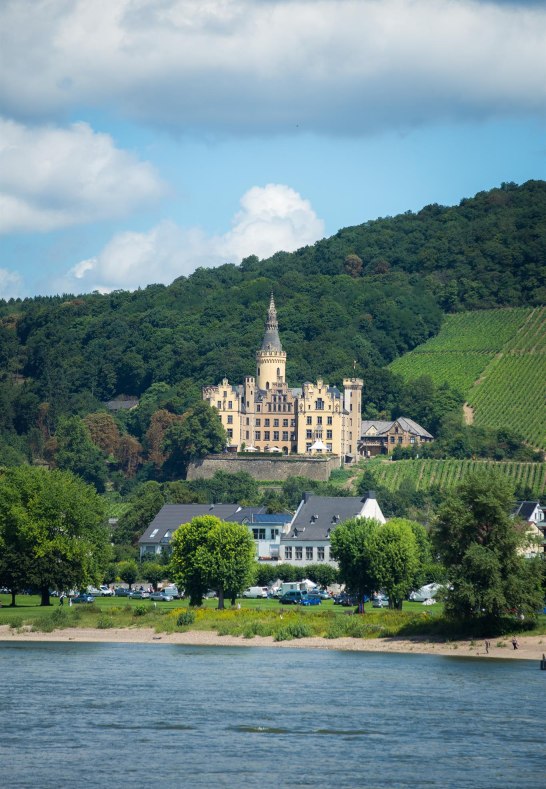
(271, 341)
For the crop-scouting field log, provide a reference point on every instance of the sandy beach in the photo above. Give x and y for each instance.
(530, 647)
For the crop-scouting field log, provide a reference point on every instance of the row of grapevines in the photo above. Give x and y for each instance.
(459, 369)
(531, 337)
(511, 394)
(487, 330)
(447, 474)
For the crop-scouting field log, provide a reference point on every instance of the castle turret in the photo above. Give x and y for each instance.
(270, 359)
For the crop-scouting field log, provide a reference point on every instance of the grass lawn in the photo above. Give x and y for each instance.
(254, 617)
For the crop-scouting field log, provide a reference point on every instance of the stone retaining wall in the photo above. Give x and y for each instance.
(265, 469)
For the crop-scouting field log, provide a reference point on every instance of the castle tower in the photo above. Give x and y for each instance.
(352, 397)
(270, 359)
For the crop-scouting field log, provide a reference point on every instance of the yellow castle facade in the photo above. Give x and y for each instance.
(264, 414)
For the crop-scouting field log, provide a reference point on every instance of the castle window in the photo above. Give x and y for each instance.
(308, 434)
(292, 423)
(230, 404)
(247, 420)
(285, 422)
(319, 404)
(219, 405)
(285, 435)
(258, 408)
(275, 423)
(230, 433)
(266, 435)
(308, 447)
(258, 422)
(328, 434)
(328, 447)
(257, 435)
(309, 420)
(292, 436)
(225, 395)
(319, 420)
(275, 435)
(247, 435)
(266, 422)
(329, 420)
(230, 420)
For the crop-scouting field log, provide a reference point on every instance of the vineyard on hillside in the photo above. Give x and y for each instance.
(497, 359)
(447, 474)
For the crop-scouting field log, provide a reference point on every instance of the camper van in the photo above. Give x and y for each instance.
(427, 592)
(255, 591)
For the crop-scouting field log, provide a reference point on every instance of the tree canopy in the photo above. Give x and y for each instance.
(52, 528)
(480, 546)
(208, 553)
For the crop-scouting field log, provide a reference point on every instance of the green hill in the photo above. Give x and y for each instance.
(497, 359)
(447, 474)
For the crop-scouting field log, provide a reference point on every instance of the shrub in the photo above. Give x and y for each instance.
(16, 623)
(105, 622)
(140, 610)
(186, 618)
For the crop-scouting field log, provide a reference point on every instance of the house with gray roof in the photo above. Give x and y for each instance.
(266, 529)
(380, 437)
(307, 539)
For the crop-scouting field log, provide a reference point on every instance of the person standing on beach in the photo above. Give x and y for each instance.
(515, 643)
(487, 645)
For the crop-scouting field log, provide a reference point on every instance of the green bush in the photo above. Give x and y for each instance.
(140, 610)
(16, 623)
(186, 618)
(297, 629)
(105, 622)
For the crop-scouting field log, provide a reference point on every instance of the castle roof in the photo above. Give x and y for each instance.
(271, 341)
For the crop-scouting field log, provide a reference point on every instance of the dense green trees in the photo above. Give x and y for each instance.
(208, 553)
(479, 544)
(52, 531)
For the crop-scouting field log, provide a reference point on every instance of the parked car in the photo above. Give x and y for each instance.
(106, 591)
(161, 597)
(94, 591)
(293, 597)
(319, 594)
(83, 598)
(380, 602)
(139, 595)
(310, 600)
(121, 591)
(172, 591)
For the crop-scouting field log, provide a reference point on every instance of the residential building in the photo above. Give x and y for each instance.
(379, 437)
(307, 539)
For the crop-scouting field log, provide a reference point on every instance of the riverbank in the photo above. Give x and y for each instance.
(530, 647)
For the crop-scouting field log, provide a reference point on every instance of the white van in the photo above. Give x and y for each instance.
(255, 591)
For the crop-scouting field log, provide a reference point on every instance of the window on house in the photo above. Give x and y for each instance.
(258, 422)
(329, 420)
(288, 552)
(319, 404)
(329, 448)
(219, 405)
(285, 422)
(320, 554)
(319, 420)
(308, 447)
(308, 434)
(230, 433)
(275, 423)
(285, 435)
(267, 422)
(329, 434)
(259, 534)
(275, 435)
(412, 440)
(392, 439)
(299, 553)
(309, 420)
(230, 404)
(292, 423)
(230, 420)
(257, 435)
(258, 408)
(309, 553)
(266, 435)
(225, 395)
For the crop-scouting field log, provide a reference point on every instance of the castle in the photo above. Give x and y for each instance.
(265, 415)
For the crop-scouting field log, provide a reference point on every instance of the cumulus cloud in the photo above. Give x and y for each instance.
(271, 218)
(332, 66)
(54, 177)
(11, 284)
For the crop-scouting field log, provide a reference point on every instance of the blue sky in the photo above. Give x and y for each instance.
(140, 139)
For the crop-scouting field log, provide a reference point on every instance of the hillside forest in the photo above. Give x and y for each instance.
(356, 303)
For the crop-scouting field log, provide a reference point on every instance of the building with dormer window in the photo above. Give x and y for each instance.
(265, 414)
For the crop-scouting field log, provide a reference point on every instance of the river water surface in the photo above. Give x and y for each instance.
(155, 716)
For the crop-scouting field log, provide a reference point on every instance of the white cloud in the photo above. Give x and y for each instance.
(52, 178)
(272, 218)
(11, 284)
(347, 66)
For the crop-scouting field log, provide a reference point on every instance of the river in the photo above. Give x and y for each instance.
(162, 716)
